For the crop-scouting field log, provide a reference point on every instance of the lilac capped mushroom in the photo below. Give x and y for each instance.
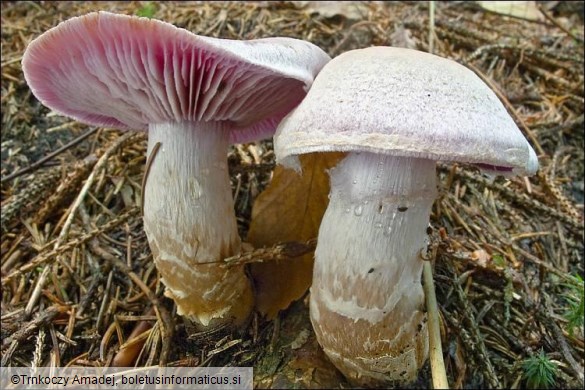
(395, 112)
(195, 96)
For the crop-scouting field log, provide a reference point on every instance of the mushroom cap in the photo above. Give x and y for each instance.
(126, 72)
(406, 103)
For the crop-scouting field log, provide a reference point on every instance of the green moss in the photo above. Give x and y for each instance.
(147, 10)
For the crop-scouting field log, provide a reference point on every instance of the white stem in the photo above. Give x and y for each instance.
(190, 222)
(367, 302)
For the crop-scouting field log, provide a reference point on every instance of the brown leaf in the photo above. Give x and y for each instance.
(126, 357)
(290, 209)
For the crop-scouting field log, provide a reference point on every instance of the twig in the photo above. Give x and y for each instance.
(563, 201)
(431, 26)
(436, 352)
(89, 295)
(27, 199)
(149, 162)
(161, 312)
(28, 329)
(475, 333)
(76, 173)
(549, 58)
(515, 196)
(51, 255)
(38, 353)
(246, 168)
(105, 299)
(558, 335)
(49, 156)
(284, 251)
(100, 164)
(36, 294)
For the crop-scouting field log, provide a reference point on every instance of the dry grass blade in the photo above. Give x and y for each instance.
(435, 348)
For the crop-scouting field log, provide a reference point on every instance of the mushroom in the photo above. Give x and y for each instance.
(396, 112)
(195, 96)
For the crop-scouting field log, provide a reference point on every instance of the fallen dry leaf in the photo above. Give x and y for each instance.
(290, 209)
(126, 357)
(519, 9)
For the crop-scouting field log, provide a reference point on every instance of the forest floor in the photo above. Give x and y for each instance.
(509, 262)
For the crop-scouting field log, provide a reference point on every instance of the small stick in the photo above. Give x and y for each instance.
(160, 311)
(283, 251)
(26, 330)
(476, 336)
(36, 294)
(49, 156)
(436, 351)
(65, 230)
(431, 26)
(149, 162)
(50, 256)
(558, 335)
(100, 164)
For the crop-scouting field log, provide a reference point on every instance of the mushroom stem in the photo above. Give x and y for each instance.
(190, 222)
(367, 301)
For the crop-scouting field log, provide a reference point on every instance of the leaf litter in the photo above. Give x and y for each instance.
(509, 263)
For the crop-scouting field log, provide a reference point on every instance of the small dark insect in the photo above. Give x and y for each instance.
(220, 87)
(402, 209)
(429, 230)
(371, 270)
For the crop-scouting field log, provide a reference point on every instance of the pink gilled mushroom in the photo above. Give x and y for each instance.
(395, 112)
(195, 96)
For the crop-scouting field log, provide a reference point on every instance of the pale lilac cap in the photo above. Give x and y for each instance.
(126, 72)
(405, 103)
